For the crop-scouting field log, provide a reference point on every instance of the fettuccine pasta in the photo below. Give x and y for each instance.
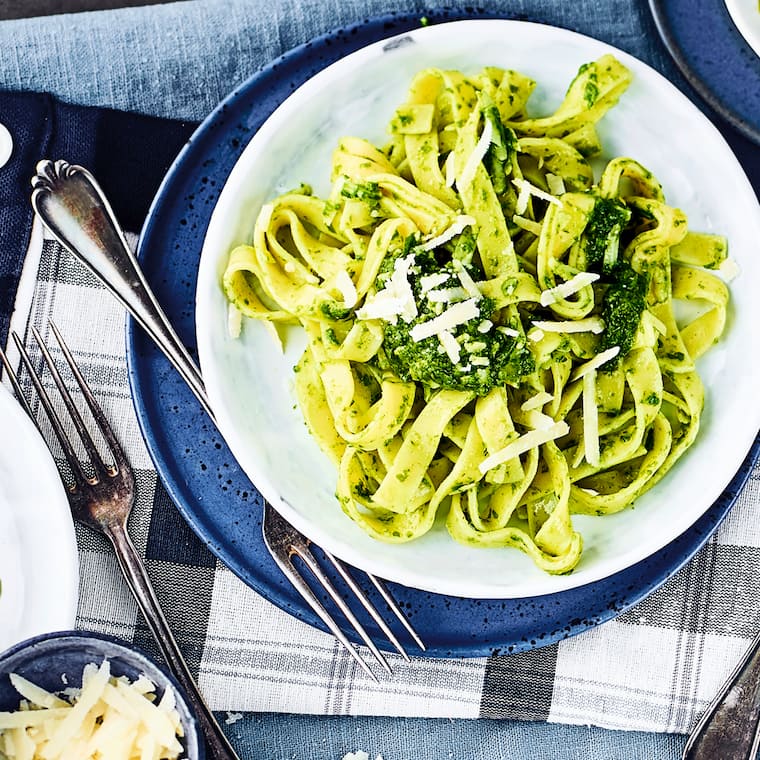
(491, 331)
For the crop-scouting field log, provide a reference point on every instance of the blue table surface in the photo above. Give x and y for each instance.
(151, 60)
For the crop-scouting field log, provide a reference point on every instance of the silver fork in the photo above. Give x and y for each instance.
(74, 208)
(102, 497)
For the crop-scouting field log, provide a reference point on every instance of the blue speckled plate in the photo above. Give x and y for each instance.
(203, 478)
(714, 58)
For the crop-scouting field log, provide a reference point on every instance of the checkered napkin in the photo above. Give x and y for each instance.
(654, 668)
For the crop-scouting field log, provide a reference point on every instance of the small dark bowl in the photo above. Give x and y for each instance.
(43, 660)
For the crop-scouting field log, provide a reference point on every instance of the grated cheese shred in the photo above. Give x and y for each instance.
(524, 443)
(565, 289)
(590, 324)
(590, 419)
(455, 315)
(474, 159)
(595, 363)
(455, 228)
(108, 717)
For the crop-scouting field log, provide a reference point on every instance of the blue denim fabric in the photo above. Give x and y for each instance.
(178, 60)
(309, 737)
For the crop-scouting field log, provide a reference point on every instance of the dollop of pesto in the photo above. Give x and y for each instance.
(488, 357)
(622, 306)
(602, 234)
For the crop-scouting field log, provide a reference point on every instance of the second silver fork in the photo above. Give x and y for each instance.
(101, 496)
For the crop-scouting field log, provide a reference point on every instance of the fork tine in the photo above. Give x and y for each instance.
(76, 417)
(308, 558)
(303, 588)
(366, 603)
(55, 422)
(15, 385)
(380, 586)
(97, 412)
(283, 541)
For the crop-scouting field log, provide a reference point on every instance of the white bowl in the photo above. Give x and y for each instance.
(249, 381)
(746, 16)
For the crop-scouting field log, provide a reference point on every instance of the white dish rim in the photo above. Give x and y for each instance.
(746, 17)
(40, 516)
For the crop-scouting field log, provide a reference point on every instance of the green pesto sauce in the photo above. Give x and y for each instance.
(605, 224)
(591, 91)
(425, 362)
(369, 192)
(622, 306)
(333, 310)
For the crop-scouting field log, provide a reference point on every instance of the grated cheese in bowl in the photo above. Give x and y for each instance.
(109, 718)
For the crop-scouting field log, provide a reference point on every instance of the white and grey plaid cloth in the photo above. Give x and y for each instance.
(654, 668)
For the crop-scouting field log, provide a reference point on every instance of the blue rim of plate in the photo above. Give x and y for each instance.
(715, 59)
(203, 479)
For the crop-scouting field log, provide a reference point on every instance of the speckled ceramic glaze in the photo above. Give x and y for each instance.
(202, 476)
(55, 662)
(714, 57)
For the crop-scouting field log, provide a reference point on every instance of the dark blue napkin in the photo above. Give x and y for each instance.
(128, 153)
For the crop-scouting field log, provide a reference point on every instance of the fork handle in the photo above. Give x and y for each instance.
(729, 727)
(71, 204)
(140, 585)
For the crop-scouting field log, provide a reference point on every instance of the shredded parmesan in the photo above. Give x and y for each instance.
(537, 420)
(474, 159)
(395, 299)
(527, 189)
(590, 419)
(455, 315)
(511, 332)
(347, 289)
(450, 171)
(729, 269)
(556, 184)
(535, 334)
(450, 346)
(485, 326)
(590, 324)
(455, 228)
(536, 401)
(467, 282)
(107, 718)
(447, 295)
(430, 281)
(564, 289)
(524, 443)
(521, 205)
(596, 362)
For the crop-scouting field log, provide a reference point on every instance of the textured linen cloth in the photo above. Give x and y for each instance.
(654, 668)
